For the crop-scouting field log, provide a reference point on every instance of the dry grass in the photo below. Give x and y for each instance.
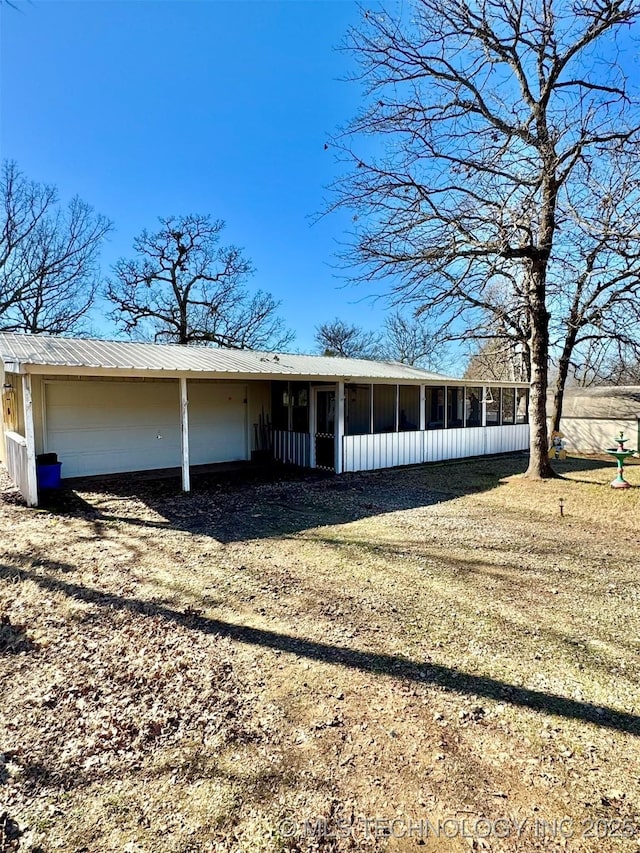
(184, 673)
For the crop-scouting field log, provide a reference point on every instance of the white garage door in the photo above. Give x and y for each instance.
(108, 427)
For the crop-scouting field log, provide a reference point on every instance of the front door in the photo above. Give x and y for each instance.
(325, 428)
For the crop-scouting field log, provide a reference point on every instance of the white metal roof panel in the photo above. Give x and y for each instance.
(44, 351)
(604, 402)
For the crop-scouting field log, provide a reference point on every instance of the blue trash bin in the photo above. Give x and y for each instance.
(49, 476)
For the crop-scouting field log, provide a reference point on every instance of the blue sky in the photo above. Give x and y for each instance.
(148, 108)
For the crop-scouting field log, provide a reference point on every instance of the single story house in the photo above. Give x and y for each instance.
(592, 418)
(105, 407)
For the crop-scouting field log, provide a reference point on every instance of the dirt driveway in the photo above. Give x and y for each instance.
(422, 659)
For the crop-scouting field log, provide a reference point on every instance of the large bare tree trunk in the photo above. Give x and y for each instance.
(539, 465)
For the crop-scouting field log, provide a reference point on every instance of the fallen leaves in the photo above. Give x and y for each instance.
(129, 721)
(13, 637)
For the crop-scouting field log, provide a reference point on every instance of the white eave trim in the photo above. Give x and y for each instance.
(244, 376)
(13, 366)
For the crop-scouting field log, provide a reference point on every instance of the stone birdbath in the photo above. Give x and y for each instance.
(620, 453)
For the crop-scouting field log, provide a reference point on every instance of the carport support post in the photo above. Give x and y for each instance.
(184, 423)
(339, 427)
(29, 434)
(312, 427)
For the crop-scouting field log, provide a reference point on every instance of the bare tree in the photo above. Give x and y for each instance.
(608, 362)
(407, 339)
(410, 340)
(494, 111)
(60, 262)
(184, 287)
(498, 359)
(349, 341)
(48, 256)
(593, 286)
(24, 205)
(595, 297)
(622, 369)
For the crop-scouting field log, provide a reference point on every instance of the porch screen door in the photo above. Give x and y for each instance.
(325, 428)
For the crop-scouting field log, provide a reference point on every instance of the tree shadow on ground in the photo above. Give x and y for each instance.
(263, 503)
(599, 462)
(13, 641)
(375, 663)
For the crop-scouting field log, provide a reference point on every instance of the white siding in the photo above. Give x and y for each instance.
(594, 435)
(454, 443)
(506, 438)
(383, 450)
(217, 422)
(387, 450)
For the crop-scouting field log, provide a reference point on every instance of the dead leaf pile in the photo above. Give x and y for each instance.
(111, 688)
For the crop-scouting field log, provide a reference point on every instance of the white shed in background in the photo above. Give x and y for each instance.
(593, 417)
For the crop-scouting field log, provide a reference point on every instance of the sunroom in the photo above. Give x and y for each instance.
(358, 426)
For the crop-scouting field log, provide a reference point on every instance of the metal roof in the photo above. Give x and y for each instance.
(607, 402)
(80, 355)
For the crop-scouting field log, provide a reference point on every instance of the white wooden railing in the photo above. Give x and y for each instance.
(292, 448)
(17, 463)
(386, 450)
